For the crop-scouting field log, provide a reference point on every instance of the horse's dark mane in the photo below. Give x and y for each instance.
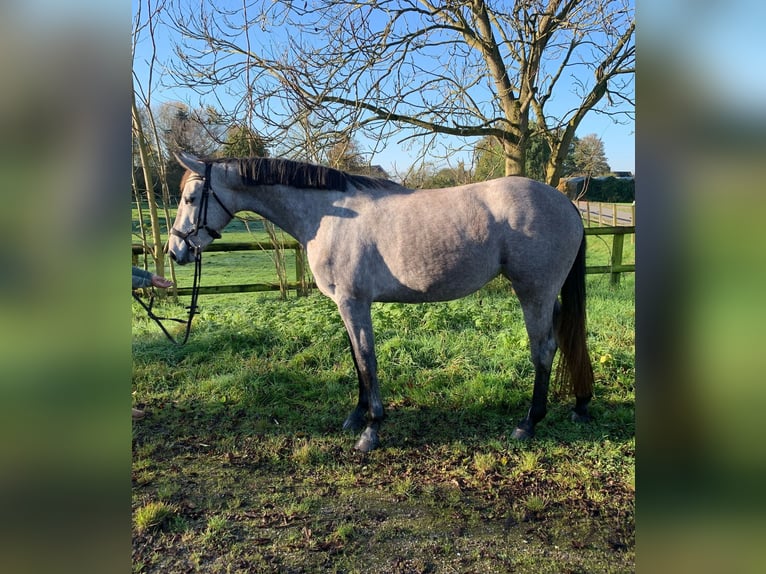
(274, 171)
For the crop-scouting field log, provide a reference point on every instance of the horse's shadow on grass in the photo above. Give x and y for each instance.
(280, 407)
(416, 427)
(404, 428)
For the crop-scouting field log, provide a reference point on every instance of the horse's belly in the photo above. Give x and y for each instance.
(408, 265)
(435, 280)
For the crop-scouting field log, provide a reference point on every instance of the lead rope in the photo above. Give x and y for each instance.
(201, 218)
(193, 309)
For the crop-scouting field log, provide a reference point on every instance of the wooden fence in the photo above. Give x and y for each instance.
(612, 214)
(301, 286)
(616, 266)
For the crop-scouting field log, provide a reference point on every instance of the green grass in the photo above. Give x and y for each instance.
(241, 465)
(242, 441)
(153, 515)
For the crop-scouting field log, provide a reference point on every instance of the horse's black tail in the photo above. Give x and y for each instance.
(574, 373)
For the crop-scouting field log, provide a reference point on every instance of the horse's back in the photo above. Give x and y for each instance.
(439, 244)
(518, 206)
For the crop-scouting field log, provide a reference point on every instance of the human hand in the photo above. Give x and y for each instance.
(158, 281)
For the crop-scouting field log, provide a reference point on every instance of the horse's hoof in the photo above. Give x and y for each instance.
(522, 434)
(581, 417)
(368, 441)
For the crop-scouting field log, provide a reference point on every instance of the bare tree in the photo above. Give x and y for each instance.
(146, 142)
(345, 155)
(590, 160)
(420, 68)
(199, 131)
(589, 156)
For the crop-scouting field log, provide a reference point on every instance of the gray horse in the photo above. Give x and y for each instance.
(369, 240)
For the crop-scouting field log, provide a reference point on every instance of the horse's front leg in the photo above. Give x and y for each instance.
(358, 321)
(357, 419)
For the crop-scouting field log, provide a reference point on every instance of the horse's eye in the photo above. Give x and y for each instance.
(188, 200)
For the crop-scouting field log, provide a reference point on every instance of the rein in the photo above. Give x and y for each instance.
(201, 223)
(192, 306)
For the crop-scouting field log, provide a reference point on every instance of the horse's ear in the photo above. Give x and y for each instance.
(190, 162)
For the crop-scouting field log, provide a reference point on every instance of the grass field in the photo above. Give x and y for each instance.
(241, 465)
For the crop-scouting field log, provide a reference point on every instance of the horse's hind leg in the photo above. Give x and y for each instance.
(358, 321)
(580, 412)
(542, 343)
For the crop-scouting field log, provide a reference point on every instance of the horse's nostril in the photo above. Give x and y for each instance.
(172, 256)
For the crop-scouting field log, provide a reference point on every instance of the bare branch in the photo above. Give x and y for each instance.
(413, 69)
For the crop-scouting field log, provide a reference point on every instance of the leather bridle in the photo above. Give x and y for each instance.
(200, 223)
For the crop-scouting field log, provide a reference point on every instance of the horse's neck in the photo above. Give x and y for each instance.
(296, 211)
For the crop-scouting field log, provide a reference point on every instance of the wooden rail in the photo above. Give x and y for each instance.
(615, 267)
(299, 285)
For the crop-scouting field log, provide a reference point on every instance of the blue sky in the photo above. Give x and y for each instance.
(618, 139)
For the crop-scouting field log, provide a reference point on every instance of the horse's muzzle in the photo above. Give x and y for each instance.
(182, 258)
(171, 254)
(179, 252)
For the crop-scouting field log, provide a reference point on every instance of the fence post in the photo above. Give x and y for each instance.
(617, 241)
(300, 271)
(587, 209)
(614, 214)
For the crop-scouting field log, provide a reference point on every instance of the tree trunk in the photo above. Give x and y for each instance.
(559, 150)
(159, 259)
(514, 158)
